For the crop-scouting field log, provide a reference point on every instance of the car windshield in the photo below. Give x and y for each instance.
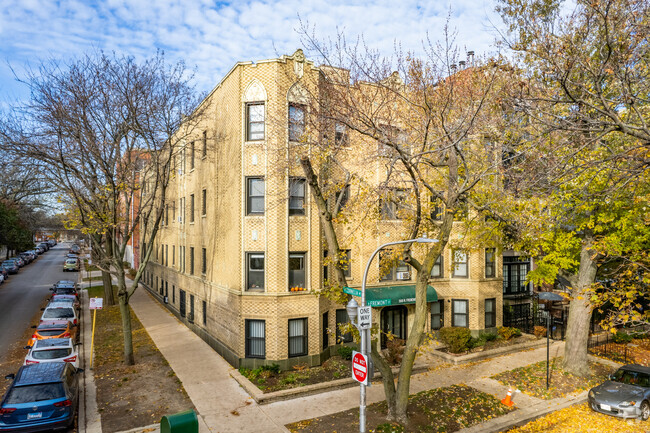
(49, 333)
(58, 313)
(39, 392)
(64, 291)
(51, 353)
(632, 378)
(71, 261)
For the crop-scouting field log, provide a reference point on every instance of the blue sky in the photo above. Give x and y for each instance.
(211, 36)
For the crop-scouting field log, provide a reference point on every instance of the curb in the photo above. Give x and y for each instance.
(262, 397)
(479, 356)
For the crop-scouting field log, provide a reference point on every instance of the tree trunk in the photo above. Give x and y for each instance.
(125, 312)
(575, 348)
(108, 289)
(387, 378)
(106, 276)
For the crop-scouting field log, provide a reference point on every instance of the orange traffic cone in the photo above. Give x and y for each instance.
(508, 400)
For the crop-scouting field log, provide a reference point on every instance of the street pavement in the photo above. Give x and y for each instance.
(22, 294)
(223, 405)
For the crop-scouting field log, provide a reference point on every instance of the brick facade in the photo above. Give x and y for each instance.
(228, 233)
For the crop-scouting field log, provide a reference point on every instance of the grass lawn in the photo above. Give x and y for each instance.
(96, 278)
(531, 379)
(130, 396)
(580, 418)
(438, 410)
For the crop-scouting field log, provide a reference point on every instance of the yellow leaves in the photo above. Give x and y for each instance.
(581, 419)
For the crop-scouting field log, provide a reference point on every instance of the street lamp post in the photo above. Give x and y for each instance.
(352, 308)
(548, 296)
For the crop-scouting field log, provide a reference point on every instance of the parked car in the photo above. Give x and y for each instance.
(60, 313)
(10, 266)
(4, 272)
(52, 242)
(52, 350)
(42, 396)
(74, 249)
(71, 265)
(625, 394)
(2, 278)
(53, 329)
(71, 298)
(20, 262)
(28, 258)
(45, 246)
(65, 287)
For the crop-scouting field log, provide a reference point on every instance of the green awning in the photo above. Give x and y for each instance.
(381, 296)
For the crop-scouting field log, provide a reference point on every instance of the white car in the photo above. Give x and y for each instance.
(2, 278)
(60, 312)
(53, 350)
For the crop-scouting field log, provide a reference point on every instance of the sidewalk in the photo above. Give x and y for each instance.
(223, 406)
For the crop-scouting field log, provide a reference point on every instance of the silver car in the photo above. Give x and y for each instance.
(626, 394)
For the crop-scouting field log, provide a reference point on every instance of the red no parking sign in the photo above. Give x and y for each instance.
(360, 367)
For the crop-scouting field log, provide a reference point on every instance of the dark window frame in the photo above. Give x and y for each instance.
(455, 262)
(204, 261)
(192, 208)
(439, 315)
(250, 197)
(390, 208)
(249, 132)
(295, 280)
(204, 148)
(249, 256)
(249, 339)
(296, 127)
(492, 315)
(191, 260)
(192, 155)
(490, 265)
(303, 337)
(454, 313)
(439, 266)
(295, 198)
(204, 202)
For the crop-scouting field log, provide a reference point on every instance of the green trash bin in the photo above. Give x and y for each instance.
(182, 422)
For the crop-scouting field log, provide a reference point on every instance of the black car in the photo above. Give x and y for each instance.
(65, 287)
(42, 396)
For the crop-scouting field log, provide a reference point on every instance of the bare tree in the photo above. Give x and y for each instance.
(106, 125)
(413, 136)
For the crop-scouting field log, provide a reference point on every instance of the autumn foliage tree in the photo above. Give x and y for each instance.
(585, 101)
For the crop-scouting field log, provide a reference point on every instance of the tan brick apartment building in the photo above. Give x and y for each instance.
(239, 233)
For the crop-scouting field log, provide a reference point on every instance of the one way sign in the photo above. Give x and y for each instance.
(365, 317)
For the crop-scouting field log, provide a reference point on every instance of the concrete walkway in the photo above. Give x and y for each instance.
(223, 406)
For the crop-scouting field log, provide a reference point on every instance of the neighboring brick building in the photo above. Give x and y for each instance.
(239, 233)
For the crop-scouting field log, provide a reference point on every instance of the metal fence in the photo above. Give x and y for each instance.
(603, 345)
(526, 320)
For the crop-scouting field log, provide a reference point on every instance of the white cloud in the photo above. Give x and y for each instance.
(214, 35)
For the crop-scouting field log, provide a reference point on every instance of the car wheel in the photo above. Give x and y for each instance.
(645, 410)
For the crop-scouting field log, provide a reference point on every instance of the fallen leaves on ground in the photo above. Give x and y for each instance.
(531, 379)
(581, 419)
(445, 409)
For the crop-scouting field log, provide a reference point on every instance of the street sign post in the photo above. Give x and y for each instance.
(365, 317)
(95, 304)
(360, 367)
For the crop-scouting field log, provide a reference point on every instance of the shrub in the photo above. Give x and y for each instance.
(507, 332)
(622, 337)
(456, 339)
(539, 331)
(345, 352)
(490, 336)
(477, 342)
(273, 368)
(394, 350)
